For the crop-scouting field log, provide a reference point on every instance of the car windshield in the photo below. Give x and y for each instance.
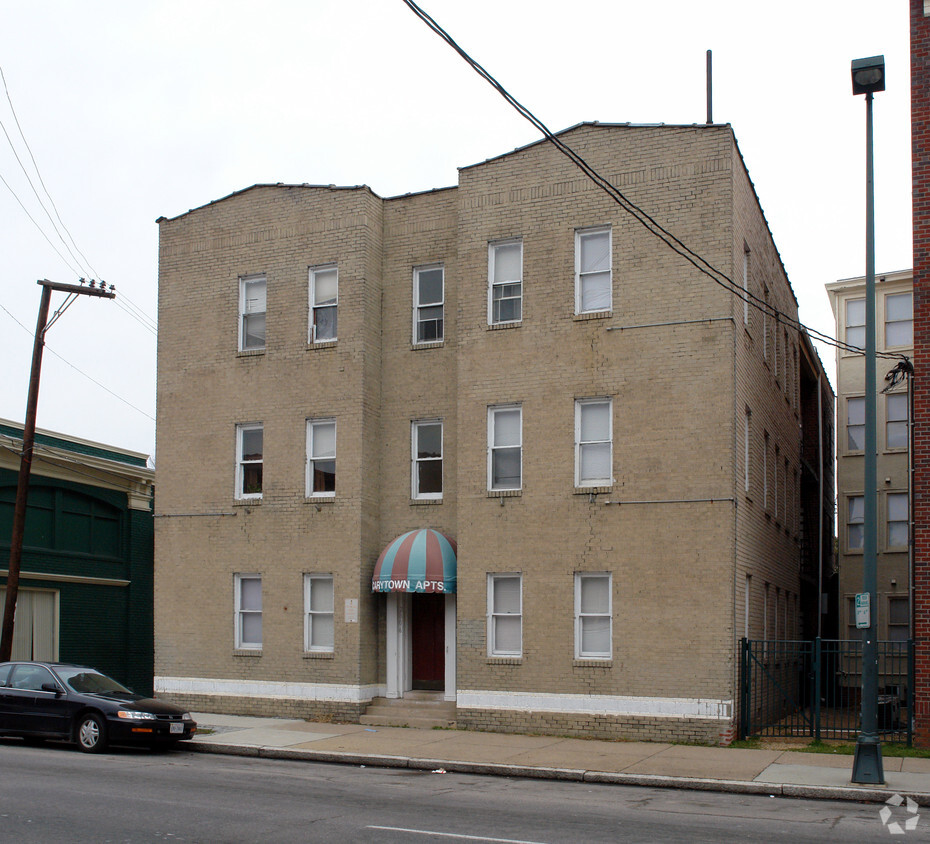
(88, 681)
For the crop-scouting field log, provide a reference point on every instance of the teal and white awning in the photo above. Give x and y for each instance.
(417, 561)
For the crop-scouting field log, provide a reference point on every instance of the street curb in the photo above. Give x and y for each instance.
(497, 769)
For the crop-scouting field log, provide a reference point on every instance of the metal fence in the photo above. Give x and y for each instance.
(813, 689)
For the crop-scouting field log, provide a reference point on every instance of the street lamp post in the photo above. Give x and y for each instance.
(868, 76)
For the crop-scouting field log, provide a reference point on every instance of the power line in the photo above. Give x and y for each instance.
(76, 369)
(645, 219)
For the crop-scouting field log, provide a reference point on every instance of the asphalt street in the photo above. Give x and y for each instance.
(56, 793)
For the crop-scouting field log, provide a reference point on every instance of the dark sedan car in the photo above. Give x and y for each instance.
(44, 700)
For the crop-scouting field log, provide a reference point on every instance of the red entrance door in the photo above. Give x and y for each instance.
(428, 632)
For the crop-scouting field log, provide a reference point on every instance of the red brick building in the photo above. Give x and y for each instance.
(920, 129)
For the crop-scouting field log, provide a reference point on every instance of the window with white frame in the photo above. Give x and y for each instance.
(593, 285)
(855, 423)
(428, 303)
(593, 615)
(426, 461)
(505, 447)
(324, 300)
(855, 323)
(248, 611)
(896, 418)
(898, 618)
(593, 442)
(249, 460)
(855, 522)
(746, 254)
(319, 617)
(252, 304)
(321, 458)
(899, 319)
(775, 482)
(747, 419)
(897, 524)
(765, 323)
(505, 614)
(505, 282)
(765, 470)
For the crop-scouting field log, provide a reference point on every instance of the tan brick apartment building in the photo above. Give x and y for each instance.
(609, 441)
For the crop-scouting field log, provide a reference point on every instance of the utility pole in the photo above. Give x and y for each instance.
(29, 435)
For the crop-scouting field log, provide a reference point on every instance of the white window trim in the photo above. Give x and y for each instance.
(240, 429)
(889, 421)
(847, 522)
(847, 426)
(889, 521)
(308, 477)
(417, 306)
(492, 644)
(309, 579)
(415, 459)
(888, 322)
(492, 247)
(492, 410)
(747, 427)
(609, 615)
(580, 234)
(244, 281)
(241, 644)
(311, 326)
(746, 254)
(846, 326)
(580, 404)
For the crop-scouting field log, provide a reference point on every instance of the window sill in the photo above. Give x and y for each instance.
(505, 660)
(593, 662)
(247, 502)
(319, 501)
(589, 315)
(250, 353)
(321, 344)
(424, 502)
(505, 493)
(591, 490)
(247, 652)
(432, 344)
(319, 655)
(502, 326)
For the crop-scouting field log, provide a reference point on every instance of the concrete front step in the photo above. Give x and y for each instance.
(410, 712)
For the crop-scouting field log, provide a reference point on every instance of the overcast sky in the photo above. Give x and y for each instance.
(136, 110)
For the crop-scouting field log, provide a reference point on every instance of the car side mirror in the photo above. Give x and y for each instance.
(52, 687)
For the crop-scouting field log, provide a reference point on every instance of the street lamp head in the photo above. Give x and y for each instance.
(868, 75)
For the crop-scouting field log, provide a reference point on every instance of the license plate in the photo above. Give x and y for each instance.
(176, 728)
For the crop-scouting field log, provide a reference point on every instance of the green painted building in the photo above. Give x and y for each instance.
(85, 589)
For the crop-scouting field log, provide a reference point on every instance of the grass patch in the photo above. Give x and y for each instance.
(889, 749)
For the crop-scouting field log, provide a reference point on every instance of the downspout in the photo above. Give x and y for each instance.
(910, 502)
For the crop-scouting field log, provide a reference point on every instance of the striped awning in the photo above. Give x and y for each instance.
(417, 561)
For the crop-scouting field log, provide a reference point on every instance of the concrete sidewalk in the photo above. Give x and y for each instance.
(774, 772)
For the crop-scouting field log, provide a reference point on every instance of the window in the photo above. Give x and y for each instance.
(765, 470)
(319, 627)
(765, 323)
(324, 298)
(897, 519)
(248, 611)
(852, 632)
(855, 424)
(427, 459)
(428, 303)
(898, 618)
(746, 253)
(896, 420)
(899, 320)
(505, 615)
(35, 635)
(855, 323)
(855, 522)
(593, 616)
(777, 469)
(252, 302)
(321, 457)
(505, 287)
(249, 449)
(784, 486)
(593, 288)
(593, 442)
(747, 418)
(505, 447)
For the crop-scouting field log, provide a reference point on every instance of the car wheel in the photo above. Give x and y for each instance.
(91, 733)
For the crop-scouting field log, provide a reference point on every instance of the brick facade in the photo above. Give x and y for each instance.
(920, 129)
(683, 530)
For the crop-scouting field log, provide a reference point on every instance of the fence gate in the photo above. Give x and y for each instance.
(813, 689)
